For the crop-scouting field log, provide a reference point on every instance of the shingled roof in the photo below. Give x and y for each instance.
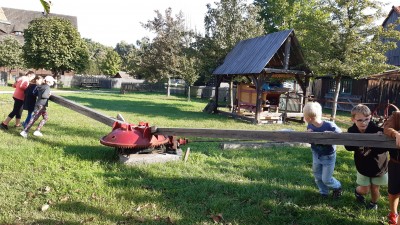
(17, 20)
(395, 9)
(253, 55)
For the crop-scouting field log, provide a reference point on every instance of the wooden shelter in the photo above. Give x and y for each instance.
(276, 55)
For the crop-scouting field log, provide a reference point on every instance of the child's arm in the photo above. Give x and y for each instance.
(389, 128)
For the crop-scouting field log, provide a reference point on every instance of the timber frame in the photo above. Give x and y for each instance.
(261, 59)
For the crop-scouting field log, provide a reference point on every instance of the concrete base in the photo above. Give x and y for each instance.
(136, 159)
(228, 146)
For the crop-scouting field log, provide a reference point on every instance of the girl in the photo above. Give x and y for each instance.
(18, 96)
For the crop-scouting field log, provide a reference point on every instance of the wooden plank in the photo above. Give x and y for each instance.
(107, 120)
(351, 139)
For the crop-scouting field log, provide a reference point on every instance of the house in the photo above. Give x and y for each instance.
(393, 55)
(122, 74)
(13, 22)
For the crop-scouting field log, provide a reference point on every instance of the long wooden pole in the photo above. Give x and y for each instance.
(351, 139)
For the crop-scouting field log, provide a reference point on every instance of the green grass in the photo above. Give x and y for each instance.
(89, 186)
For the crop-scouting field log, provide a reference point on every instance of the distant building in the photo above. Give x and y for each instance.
(13, 22)
(393, 55)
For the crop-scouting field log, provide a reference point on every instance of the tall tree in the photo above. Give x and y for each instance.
(164, 51)
(225, 25)
(11, 53)
(354, 43)
(125, 51)
(112, 63)
(54, 44)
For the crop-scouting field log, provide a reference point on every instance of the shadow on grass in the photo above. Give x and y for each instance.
(148, 108)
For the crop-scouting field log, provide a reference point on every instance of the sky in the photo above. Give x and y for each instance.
(110, 22)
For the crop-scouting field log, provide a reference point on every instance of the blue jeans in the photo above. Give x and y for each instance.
(323, 167)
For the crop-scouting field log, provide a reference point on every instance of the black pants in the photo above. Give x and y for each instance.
(17, 110)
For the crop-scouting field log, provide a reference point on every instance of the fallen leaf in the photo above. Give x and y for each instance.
(64, 199)
(45, 207)
(217, 218)
(30, 195)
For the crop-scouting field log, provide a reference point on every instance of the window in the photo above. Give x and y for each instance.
(345, 86)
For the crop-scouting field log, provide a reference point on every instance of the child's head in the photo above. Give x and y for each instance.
(31, 75)
(361, 115)
(49, 80)
(312, 110)
(38, 80)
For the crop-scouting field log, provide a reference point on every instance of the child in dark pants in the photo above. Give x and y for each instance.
(30, 98)
(391, 129)
(371, 163)
(40, 107)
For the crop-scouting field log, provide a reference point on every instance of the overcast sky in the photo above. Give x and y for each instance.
(110, 22)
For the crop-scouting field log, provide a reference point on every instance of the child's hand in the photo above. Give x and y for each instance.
(309, 130)
(398, 140)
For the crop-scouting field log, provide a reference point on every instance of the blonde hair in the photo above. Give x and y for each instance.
(312, 110)
(361, 109)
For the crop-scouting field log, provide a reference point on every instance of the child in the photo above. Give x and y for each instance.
(30, 98)
(371, 163)
(391, 129)
(18, 96)
(324, 156)
(40, 107)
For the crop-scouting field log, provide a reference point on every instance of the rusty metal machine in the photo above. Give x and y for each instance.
(128, 138)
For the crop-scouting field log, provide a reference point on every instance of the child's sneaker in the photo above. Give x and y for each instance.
(37, 133)
(5, 127)
(372, 206)
(392, 218)
(337, 192)
(24, 134)
(359, 198)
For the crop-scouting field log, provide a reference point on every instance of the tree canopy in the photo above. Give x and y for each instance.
(11, 53)
(54, 44)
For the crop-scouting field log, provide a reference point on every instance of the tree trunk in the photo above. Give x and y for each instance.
(335, 97)
(169, 87)
(188, 93)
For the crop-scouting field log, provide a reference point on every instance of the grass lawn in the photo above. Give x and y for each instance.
(82, 181)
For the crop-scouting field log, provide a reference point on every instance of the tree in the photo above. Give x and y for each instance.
(11, 53)
(125, 52)
(161, 57)
(112, 63)
(54, 44)
(189, 72)
(225, 25)
(354, 44)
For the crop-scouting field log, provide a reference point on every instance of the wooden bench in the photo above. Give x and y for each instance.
(90, 85)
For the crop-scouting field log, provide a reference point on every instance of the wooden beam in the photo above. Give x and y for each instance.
(271, 70)
(107, 120)
(351, 139)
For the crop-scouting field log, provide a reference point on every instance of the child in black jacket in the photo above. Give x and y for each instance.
(371, 163)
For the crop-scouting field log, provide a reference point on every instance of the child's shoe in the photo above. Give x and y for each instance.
(37, 133)
(337, 192)
(359, 198)
(372, 206)
(392, 218)
(5, 127)
(24, 134)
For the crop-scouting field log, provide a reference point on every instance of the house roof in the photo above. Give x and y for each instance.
(122, 74)
(17, 20)
(387, 75)
(253, 56)
(395, 9)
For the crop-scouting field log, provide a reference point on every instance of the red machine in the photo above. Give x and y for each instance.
(137, 139)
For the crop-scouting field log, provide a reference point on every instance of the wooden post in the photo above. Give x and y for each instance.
(287, 52)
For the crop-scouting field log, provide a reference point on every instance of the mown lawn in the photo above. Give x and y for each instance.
(82, 181)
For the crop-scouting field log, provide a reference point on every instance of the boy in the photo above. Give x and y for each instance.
(391, 129)
(371, 163)
(40, 107)
(324, 156)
